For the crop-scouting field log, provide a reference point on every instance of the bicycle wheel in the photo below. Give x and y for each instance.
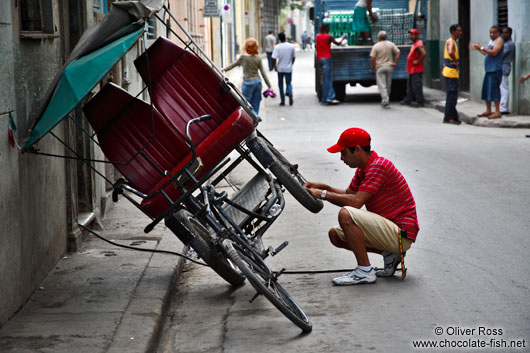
(289, 176)
(263, 280)
(185, 226)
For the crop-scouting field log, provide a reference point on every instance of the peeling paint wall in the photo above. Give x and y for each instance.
(32, 188)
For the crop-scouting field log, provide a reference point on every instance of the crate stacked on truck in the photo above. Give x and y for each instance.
(395, 22)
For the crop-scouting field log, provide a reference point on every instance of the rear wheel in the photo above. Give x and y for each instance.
(340, 90)
(264, 281)
(192, 232)
(288, 175)
(398, 90)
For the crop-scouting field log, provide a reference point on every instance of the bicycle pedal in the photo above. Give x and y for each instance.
(254, 297)
(278, 249)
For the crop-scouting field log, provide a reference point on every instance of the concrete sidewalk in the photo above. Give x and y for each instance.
(468, 111)
(103, 298)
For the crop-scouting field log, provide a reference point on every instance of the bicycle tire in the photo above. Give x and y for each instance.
(206, 248)
(288, 176)
(263, 280)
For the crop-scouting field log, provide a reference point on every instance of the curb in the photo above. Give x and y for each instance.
(142, 323)
(505, 122)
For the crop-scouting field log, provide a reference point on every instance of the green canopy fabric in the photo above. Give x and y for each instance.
(77, 80)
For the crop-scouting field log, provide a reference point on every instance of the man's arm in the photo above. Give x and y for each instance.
(451, 50)
(493, 52)
(333, 40)
(423, 54)
(339, 197)
(398, 55)
(372, 62)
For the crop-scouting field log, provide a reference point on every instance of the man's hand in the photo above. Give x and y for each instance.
(315, 192)
(313, 185)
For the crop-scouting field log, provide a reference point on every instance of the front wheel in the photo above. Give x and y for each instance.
(264, 281)
(192, 232)
(289, 176)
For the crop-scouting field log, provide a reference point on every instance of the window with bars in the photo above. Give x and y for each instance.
(502, 13)
(36, 16)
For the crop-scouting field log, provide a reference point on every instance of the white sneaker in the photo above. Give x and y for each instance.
(356, 276)
(332, 102)
(391, 263)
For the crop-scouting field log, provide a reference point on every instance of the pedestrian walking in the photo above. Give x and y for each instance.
(491, 91)
(388, 226)
(451, 73)
(284, 55)
(251, 63)
(304, 40)
(384, 57)
(270, 42)
(360, 24)
(323, 45)
(415, 70)
(508, 55)
(309, 41)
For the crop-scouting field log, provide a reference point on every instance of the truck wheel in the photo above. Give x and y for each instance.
(340, 91)
(398, 90)
(318, 81)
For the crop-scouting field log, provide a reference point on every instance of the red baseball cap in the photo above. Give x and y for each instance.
(414, 30)
(350, 138)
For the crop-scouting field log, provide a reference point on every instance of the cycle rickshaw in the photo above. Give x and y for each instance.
(175, 149)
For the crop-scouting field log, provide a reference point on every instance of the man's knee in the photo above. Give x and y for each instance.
(345, 218)
(335, 239)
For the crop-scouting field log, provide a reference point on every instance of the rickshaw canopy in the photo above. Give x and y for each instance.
(97, 51)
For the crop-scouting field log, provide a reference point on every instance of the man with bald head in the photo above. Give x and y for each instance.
(384, 57)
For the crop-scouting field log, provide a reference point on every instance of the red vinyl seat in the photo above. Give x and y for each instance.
(124, 126)
(183, 87)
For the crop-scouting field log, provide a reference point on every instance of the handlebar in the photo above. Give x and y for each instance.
(188, 133)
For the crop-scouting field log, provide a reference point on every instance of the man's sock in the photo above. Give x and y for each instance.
(365, 268)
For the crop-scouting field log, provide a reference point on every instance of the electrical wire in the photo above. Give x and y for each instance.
(142, 249)
(283, 272)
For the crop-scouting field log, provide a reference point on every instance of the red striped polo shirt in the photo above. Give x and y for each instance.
(391, 196)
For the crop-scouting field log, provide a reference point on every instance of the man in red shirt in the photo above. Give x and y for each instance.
(390, 209)
(415, 70)
(323, 46)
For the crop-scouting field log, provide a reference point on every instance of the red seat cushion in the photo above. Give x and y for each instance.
(183, 87)
(211, 150)
(124, 124)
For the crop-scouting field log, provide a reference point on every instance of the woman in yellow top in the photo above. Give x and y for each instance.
(251, 63)
(450, 72)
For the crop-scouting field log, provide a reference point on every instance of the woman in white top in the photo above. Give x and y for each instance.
(360, 21)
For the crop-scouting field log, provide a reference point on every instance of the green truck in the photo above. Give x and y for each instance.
(351, 63)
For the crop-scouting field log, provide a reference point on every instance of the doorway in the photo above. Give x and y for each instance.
(463, 45)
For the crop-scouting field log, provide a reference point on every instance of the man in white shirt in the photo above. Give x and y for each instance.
(270, 42)
(383, 64)
(284, 55)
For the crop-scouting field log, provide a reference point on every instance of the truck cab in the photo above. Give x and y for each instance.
(351, 63)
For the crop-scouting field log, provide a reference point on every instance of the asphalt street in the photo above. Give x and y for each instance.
(468, 277)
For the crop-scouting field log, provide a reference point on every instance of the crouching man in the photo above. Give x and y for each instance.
(390, 209)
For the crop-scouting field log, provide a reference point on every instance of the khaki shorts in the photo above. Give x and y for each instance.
(379, 233)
